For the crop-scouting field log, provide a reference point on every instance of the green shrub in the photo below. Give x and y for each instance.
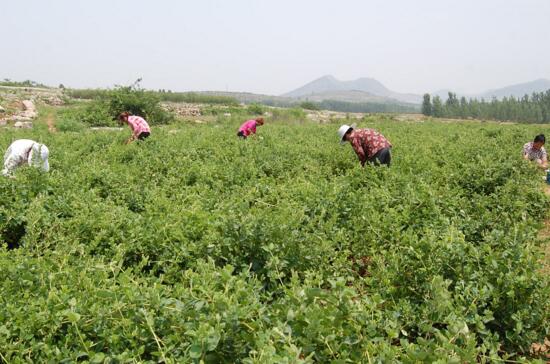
(108, 104)
(85, 94)
(138, 102)
(255, 109)
(70, 126)
(94, 113)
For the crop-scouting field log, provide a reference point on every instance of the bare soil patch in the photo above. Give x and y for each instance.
(50, 121)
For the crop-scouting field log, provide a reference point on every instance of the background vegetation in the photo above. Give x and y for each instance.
(533, 108)
(106, 105)
(27, 83)
(213, 99)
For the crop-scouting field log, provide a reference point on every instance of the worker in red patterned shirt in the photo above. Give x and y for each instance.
(140, 128)
(369, 145)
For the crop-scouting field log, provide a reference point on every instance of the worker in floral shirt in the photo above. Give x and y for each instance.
(534, 151)
(140, 128)
(369, 145)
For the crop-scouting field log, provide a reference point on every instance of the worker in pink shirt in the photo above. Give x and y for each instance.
(140, 128)
(249, 127)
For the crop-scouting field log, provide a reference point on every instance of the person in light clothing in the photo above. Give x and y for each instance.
(140, 128)
(25, 151)
(534, 151)
(249, 127)
(369, 145)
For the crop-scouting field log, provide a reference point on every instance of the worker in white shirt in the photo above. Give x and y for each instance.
(25, 151)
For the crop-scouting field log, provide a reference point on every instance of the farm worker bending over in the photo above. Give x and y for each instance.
(534, 151)
(25, 151)
(249, 127)
(369, 145)
(140, 128)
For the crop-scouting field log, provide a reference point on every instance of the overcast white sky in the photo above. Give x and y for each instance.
(274, 46)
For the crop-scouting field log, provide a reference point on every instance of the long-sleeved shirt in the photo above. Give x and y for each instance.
(138, 125)
(25, 151)
(248, 127)
(367, 142)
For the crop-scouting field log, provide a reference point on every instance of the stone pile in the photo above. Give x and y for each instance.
(23, 124)
(185, 110)
(325, 116)
(23, 118)
(53, 100)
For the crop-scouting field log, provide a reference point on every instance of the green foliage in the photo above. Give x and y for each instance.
(91, 114)
(190, 97)
(310, 105)
(85, 94)
(26, 83)
(255, 109)
(197, 98)
(528, 109)
(367, 107)
(136, 101)
(108, 104)
(196, 245)
(296, 113)
(437, 107)
(427, 105)
(68, 123)
(344, 106)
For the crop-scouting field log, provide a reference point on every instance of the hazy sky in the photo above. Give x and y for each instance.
(274, 46)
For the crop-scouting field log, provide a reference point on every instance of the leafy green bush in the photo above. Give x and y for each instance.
(255, 109)
(91, 114)
(104, 110)
(70, 125)
(85, 94)
(281, 249)
(136, 101)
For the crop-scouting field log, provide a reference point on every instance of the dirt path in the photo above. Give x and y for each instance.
(47, 115)
(50, 120)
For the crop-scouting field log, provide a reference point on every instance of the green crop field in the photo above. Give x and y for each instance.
(195, 246)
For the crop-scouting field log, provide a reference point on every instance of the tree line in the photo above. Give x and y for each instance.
(533, 108)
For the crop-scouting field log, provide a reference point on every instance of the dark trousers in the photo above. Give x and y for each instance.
(383, 156)
(144, 135)
(241, 135)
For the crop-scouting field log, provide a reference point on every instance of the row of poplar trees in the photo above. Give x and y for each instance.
(528, 109)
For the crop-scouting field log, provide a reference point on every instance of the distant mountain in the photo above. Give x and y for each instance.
(518, 90)
(344, 101)
(347, 96)
(326, 85)
(249, 97)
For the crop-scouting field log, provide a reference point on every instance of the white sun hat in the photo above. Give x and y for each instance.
(44, 154)
(38, 157)
(343, 131)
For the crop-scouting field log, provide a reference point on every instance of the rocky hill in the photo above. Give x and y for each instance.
(373, 90)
